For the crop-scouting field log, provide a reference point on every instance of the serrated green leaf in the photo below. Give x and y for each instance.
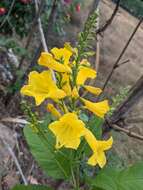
(126, 179)
(31, 187)
(56, 164)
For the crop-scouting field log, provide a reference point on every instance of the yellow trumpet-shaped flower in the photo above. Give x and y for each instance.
(92, 89)
(68, 46)
(63, 54)
(98, 148)
(42, 86)
(66, 83)
(51, 108)
(85, 73)
(99, 108)
(68, 131)
(85, 62)
(47, 60)
(75, 93)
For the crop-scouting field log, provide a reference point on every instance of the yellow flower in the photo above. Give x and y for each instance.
(98, 148)
(99, 108)
(68, 131)
(51, 108)
(46, 59)
(85, 62)
(85, 73)
(62, 54)
(42, 86)
(68, 46)
(75, 93)
(92, 89)
(66, 84)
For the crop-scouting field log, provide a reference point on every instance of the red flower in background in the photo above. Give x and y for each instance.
(2, 11)
(77, 7)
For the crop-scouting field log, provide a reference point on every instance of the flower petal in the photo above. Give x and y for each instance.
(92, 160)
(56, 93)
(62, 54)
(101, 159)
(75, 93)
(85, 73)
(42, 86)
(105, 145)
(91, 139)
(46, 59)
(68, 131)
(66, 83)
(51, 108)
(92, 89)
(100, 108)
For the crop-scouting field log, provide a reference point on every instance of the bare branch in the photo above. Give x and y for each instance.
(108, 22)
(115, 65)
(9, 12)
(31, 31)
(14, 120)
(122, 63)
(40, 28)
(127, 131)
(43, 40)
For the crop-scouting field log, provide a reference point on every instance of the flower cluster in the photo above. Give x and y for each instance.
(63, 90)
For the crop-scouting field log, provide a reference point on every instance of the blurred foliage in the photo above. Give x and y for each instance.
(135, 7)
(11, 43)
(116, 100)
(16, 16)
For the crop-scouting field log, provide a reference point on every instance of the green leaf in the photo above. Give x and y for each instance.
(95, 125)
(84, 117)
(31, 187)
(55, 163)
(126, 179)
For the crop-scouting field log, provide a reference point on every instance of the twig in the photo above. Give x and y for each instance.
(108, 22)
(8, 97)
(31, 31)
(14, 120)
(10, 9)
(43, 40)
(115, 65)
(40, 28)
(122, 63)
(127, 131)
(15, 160)
(30, 34)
